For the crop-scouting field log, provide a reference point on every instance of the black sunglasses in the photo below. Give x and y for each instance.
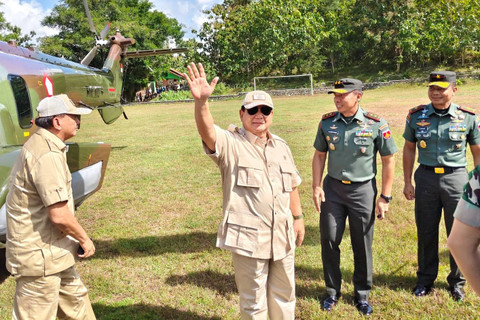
(263, 109)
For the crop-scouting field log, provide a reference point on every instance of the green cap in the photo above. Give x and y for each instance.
(442, 79)
(346, 85)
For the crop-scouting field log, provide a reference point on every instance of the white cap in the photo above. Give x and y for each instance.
(59, 104)
(257, 98)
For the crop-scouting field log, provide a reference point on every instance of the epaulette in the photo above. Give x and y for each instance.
(373, 116)
(329, 115)
(468, 110)
(417, 108)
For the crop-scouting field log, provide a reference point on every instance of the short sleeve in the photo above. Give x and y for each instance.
(320, 141)
(409, 132)
(468, 208)
(385, 143)
(474, 136)
(51, 178)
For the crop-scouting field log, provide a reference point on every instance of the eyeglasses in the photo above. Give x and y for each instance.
(263, 109)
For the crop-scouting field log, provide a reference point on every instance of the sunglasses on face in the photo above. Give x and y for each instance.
(263, 109)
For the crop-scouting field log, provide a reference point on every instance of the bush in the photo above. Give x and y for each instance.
(175, 95)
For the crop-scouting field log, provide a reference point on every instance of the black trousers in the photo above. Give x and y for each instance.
(356, 202)
(434, 192)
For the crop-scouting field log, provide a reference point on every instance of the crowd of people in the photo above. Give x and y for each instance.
(262, 220)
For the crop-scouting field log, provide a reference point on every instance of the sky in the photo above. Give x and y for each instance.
(28, 14)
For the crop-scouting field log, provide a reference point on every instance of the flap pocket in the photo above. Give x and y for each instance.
(288, 169)
(242, 231)
(250, 173)
(243, 219)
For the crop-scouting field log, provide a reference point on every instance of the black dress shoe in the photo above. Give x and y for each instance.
(457, 294)
(420, 290)
(363, 307)
(329, 302)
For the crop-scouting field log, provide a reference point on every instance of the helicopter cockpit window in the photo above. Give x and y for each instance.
(22, 100)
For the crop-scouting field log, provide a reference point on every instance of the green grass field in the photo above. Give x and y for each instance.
(155, 219)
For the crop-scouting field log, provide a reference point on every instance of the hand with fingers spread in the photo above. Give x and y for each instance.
(197, 81)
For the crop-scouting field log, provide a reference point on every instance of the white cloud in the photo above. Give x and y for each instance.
(27, 15)
(187, 12)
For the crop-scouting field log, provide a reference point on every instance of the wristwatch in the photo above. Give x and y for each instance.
(388, 199)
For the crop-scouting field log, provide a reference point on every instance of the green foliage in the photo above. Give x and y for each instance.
(279, 37)
(175, 95)
(134, 18)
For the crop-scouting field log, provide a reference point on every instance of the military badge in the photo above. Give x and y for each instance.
(363, 149)
(422, 144)
(423, 123)
(386, 134)
(331, 146)
(328, 138)
(383, 127)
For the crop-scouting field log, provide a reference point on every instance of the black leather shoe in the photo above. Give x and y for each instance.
(363, 307)
(329, 302)
(420, 290)
(457, 294)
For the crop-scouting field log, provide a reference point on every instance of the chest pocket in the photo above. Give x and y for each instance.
(364, 145)
(250, 173)
(457, 139)
(288, 170)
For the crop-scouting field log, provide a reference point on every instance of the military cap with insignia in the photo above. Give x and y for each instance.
(346, 85)
(442, 79)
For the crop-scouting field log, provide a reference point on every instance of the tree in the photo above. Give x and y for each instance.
(261, 38)
(10, 32)
(134, 18)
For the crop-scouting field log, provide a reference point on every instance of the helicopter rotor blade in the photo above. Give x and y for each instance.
(89, 57)
(89, 17)
(105, 31)
(153, 52)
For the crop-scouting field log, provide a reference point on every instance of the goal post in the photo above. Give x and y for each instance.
(285, 83)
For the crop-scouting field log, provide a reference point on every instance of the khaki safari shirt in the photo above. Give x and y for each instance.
(468, 208)
(39, 178)
(257, 178)
(442, 138)
(352, 147)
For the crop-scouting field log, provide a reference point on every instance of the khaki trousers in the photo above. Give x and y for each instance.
(266, 287)
(61, 295)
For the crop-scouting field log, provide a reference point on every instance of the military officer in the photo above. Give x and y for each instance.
(262, 215)
(440, 131)
(351, 137)
(43, 235)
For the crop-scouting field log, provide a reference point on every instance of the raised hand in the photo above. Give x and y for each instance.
(197, 81)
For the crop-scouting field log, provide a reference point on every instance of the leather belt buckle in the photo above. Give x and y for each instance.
(439, 170)
(346, 182)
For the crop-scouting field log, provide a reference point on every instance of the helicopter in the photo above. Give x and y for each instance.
(28, 75)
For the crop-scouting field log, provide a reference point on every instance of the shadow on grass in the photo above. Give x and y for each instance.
(317, 290)
(224, 284)
(179, 243)
(4, 274)
(144, 312)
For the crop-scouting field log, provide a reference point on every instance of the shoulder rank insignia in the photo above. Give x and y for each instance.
(329, 115)
(372, 116)
(417, 108)
(468, 110)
